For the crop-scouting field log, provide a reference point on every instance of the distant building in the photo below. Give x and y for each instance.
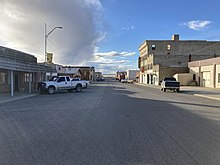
(68, 71)
(86, 71)
(98, 75)
(121, 75)
(49, 71)
(164, 58)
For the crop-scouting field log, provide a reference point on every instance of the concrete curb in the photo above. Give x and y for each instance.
(194, 94)
(150, 86)
(208, 97)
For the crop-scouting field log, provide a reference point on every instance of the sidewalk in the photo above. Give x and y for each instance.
(6, 97)
(210, 93)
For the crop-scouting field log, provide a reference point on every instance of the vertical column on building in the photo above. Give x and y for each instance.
(200, 76)
(12, 82)
(214, 76)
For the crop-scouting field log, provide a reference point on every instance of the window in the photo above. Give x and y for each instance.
(27, 77)
(153, 47)
(168, 47)
(61, 79)
(67, 78)
(194, 77)
(218, 77)
(2, 77)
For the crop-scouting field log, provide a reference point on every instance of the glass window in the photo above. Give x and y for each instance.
(27, 77)
(153, 47)
(61, 79)
(67, 78)
(2, 77)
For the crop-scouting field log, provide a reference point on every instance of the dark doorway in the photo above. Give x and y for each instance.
(16, 82)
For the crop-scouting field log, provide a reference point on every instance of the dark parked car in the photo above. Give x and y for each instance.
(170, 84)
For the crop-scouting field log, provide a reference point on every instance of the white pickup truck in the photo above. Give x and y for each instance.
(60, 83)
(85, 81)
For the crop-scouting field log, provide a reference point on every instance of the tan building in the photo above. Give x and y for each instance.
(207, 72)
(164, 58)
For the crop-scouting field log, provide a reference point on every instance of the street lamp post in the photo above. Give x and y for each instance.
(46, 36)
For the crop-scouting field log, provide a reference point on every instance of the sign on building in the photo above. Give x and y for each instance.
(49, 58)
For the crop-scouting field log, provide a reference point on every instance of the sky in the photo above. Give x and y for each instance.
(105, 34)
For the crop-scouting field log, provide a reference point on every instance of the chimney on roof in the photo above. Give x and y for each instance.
(175, 37)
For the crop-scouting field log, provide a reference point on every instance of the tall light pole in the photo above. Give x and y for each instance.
(46, 36)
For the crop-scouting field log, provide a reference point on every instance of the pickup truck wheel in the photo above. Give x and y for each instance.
(78, 88)
(51, 90)
(178, 90)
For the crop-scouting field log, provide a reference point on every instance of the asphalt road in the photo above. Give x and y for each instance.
(110, 123)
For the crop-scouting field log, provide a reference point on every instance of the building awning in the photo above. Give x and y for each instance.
(18, 66)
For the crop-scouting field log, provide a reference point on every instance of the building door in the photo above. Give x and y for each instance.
(16, 82)
(206, 79)
(148, 79)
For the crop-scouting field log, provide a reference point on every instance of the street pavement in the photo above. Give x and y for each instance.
(110, 123)
(209, 93)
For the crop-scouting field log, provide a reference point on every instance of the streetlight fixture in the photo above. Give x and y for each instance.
(46, 37)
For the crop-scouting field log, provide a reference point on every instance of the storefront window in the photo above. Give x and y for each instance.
(28, 76)
(2, 77)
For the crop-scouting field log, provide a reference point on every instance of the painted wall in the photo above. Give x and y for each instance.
(184, 78)
(209, 71)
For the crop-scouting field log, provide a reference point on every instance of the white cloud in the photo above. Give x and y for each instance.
(22, 28)
(128, 28)
(197, 24)
(115, 54)
(110, 62)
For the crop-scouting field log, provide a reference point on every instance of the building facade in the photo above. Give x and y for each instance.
(86, 71)
(98, 75)
(69, 71)
(164, 58)
(206, 72)
(121, 75)
(19, 71)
